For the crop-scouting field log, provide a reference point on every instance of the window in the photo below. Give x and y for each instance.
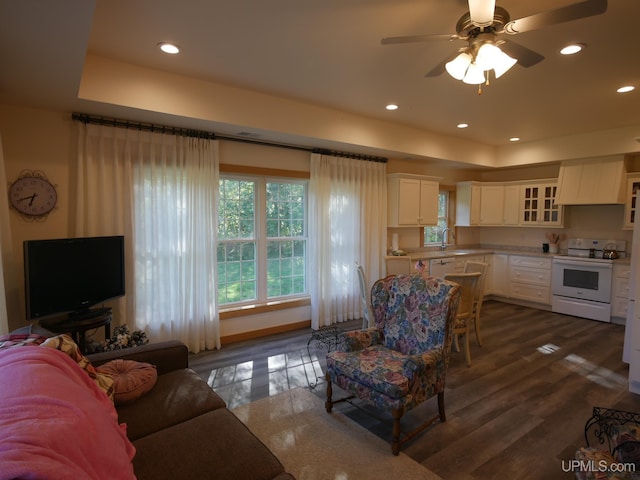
(434, 234)
(262, 239)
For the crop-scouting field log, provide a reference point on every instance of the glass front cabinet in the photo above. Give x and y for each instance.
(538, 206)
(631, 203)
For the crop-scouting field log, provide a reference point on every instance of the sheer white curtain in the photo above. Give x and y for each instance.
(347, 223)
(160, 192)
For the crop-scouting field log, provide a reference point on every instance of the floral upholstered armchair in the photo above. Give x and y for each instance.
(402, 361)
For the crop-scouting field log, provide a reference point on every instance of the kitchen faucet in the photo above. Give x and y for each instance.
(443, 246)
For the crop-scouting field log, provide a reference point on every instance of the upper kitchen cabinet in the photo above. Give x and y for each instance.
(487, 204)
(511, 213)
(468, 204)
(599, 181)
(412, 200)
(631, 203)
(538, 207)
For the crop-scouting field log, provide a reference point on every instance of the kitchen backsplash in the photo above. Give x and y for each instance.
(580, 221)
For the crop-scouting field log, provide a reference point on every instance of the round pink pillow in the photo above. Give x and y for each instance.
(131, 379)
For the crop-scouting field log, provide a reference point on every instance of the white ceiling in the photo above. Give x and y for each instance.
(328, 52)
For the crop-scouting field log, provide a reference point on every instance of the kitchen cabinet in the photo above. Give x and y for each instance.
(499, 204)
(538, 207)
(631, 199)
(530, 278)
(620, 290)
(486, 204)
(500, 274)
(468, 204)
(412, 200)
(507, 203)
(438, 267)
(511, 211)
(491, 204)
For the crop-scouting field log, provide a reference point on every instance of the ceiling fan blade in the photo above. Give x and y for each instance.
(439, 69)
(481, 12)
(526, 58)
(418, 38)
(588, 8)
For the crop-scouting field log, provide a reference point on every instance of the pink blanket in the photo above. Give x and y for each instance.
(55, 423)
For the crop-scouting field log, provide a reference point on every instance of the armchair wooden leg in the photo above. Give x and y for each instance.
(443, 416)
(395, 442)
(328, 405)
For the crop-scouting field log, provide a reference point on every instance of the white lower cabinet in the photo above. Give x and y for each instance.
(500, 274)
(438, 267)
(620, 290)
(530, 278)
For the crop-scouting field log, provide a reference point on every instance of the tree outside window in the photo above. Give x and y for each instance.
(262, 239)
(433, 235)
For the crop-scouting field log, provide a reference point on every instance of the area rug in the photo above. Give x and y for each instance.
(315, 445)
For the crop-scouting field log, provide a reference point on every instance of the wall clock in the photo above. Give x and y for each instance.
(33, 195)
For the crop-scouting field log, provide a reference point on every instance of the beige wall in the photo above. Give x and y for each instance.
(36, 139)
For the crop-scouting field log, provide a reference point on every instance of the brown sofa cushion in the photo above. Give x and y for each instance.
(176, 397)
(131, 379)
(213, 445)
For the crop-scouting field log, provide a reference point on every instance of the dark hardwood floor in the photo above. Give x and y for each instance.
(517, 413)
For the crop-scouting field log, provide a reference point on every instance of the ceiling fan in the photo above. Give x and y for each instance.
(482, 26)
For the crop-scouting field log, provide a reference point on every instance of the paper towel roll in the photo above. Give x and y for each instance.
(394, 242)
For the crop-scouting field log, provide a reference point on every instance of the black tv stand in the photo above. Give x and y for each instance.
(88, 314)
(77, 325)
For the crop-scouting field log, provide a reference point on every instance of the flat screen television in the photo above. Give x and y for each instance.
(71, 275)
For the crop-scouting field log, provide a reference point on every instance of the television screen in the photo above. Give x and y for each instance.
(72, 274)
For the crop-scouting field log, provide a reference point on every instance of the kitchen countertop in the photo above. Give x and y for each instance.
(453, 252)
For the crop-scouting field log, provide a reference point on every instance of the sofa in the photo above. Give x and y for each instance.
(57, 422)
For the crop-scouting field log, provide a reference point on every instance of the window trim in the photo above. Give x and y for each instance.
(448, 220)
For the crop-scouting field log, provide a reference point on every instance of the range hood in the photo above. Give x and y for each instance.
(599, 181)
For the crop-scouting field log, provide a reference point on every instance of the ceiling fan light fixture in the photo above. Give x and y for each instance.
(458, 67)
(481, 12)
(488, 55)
(503, 63)
(474, 75)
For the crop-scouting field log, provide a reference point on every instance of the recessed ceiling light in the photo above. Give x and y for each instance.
(514, 139)
(391, 106)
(625, 89)
(169, 48)
(462, 125)
(572, 49)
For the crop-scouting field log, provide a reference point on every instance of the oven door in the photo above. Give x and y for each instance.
(587, 280)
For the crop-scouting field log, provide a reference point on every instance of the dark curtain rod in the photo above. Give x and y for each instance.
(185, 132)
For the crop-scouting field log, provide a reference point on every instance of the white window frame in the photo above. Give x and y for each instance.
(261, 240)
(442, 220)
